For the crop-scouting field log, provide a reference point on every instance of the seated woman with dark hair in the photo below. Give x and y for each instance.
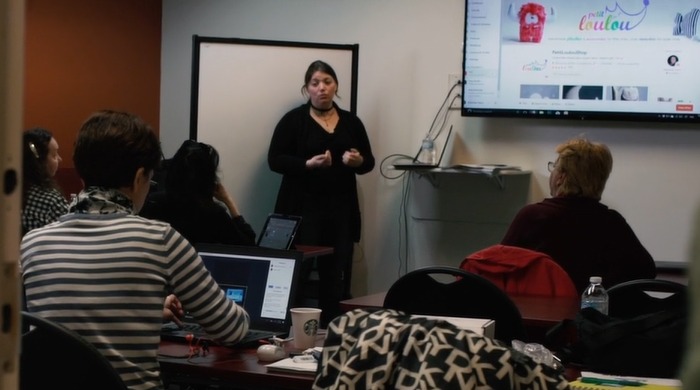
(42, 202)
(195, 202)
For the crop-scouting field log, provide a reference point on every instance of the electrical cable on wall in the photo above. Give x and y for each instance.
(436, 128)
(433, 132)
(444, 111)
(403, 223)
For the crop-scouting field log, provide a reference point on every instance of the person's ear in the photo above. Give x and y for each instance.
(560, 179)
(140, 177)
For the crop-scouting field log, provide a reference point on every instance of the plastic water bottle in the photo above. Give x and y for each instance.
(595, 295)
(427, 153)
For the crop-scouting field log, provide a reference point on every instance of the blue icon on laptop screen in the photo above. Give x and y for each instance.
(236, 294)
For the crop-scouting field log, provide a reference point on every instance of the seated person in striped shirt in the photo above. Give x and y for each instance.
(127, 274)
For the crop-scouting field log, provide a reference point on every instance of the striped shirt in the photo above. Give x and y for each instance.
(106, 277)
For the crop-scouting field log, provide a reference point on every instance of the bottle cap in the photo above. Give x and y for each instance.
(596, 279)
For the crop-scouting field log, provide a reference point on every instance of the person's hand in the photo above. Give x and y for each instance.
(352, 158)
(172, 309)
(320, 160)
(221, 194)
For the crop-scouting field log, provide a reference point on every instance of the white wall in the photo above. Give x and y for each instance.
(407, 50)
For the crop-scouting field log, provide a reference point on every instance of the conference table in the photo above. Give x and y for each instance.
(226, 368)
(539, 313)
(239, 368)
(312, 252)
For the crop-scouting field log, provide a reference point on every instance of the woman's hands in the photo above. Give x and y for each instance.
(320, 160)
(351, 158)
(172, 309)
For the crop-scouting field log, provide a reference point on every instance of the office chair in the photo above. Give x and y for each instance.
(641, 296)
(463, 295)
(644, 334)
(53, 354)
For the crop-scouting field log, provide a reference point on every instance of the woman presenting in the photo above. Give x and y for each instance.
(319, 148)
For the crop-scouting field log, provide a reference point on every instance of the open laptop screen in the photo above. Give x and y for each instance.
(279, 231)
(262, 280)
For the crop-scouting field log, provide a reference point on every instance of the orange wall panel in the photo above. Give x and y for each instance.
(86, 55)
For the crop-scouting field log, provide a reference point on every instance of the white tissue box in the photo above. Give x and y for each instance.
(480, 326)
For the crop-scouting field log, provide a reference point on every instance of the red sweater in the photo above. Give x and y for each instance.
(520, 271)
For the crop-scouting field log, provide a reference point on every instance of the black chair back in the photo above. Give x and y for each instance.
(641, 296)
(463, 295)
(53, 356)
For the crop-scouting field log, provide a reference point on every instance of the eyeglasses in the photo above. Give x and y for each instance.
(550, 166)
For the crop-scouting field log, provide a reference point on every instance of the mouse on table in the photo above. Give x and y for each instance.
(271, 353)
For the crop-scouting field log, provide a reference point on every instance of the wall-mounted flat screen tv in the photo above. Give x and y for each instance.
(635, 60)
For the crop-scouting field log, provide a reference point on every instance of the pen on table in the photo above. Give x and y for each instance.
(613, 382)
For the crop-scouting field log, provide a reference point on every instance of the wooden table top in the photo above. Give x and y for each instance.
(538, 311)
(236, 366)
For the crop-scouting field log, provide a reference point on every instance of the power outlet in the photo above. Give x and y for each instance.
(452, 80)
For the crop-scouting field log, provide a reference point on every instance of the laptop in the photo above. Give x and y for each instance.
(415, 164)
(278, 231)
(261, 280)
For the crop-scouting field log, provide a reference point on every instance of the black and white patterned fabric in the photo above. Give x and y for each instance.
(387, 349)
(100, 200)
(43, 206)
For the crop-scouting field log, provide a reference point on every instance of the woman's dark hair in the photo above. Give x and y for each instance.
(192, 172)
(112, 146)
(35, 149)
(318, 66)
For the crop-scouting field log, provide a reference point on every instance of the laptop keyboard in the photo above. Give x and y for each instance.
(192, 328)
(197, 329)
(171, 327)
(257, 334)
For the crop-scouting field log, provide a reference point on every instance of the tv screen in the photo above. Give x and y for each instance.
(596, 59)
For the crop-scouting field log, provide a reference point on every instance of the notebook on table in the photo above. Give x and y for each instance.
(415, 164)
(597, 381)
(262, 280)
(278, 231)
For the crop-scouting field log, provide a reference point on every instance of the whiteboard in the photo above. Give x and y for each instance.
(241, 88)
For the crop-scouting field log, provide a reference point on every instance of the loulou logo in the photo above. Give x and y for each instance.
(613, 19)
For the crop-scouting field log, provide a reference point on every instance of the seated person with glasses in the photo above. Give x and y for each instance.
(112, 276)
(195, 202)
(580, 233)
